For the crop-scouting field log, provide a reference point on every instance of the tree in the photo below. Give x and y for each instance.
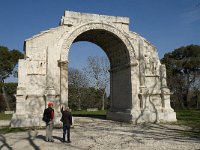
(9, 91)
(97, 70)
(183, 68)
(77, 81)
(8, 63)
(196, 92)
(91, 98)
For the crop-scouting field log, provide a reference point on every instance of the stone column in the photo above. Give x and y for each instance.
(165, 92)
(169, 114)
(64, 82)
(50, 93)
(136, 109)
(111, 90)
(143, 88)
(163, 76)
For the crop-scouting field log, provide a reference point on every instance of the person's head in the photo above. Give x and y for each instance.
(66, 108)
(50, 104)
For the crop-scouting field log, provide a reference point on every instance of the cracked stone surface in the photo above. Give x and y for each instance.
(98, 134)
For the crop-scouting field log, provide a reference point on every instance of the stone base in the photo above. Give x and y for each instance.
(157, 117)
(146, 116)
(170, 116)
(135, 116)
(20, 120)
(119, 116)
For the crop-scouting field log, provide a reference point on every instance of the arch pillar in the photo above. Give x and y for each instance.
(143, 89)
(121, 94)
(63, 81)
(165, 96)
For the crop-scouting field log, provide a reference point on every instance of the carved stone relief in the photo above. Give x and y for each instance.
(151, 62)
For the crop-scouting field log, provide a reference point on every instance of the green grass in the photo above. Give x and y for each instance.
(5, 116)
(189, 118)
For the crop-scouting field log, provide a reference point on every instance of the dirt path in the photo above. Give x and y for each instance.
(96, 134)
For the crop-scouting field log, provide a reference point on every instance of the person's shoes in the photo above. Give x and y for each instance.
(68, 141)
(63, 141)
(51, 140)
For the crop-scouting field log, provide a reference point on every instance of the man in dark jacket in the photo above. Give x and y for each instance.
(67, 122)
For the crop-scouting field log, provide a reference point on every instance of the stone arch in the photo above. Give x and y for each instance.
(71, 37)
(138, 93)
(119, 51)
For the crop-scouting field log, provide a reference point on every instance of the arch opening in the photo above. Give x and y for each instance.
(84, 90)
(114, 48)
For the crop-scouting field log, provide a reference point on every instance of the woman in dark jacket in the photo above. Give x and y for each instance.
(48, 117)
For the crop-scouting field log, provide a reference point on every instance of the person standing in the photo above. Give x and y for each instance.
(49, 119)
(67, 122)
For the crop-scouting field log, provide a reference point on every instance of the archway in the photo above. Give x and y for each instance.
(114, 43)
(139, 91)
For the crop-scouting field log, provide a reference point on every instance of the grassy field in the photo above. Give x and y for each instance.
(189, 117)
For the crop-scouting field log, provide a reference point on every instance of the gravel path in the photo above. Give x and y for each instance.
(97, 134)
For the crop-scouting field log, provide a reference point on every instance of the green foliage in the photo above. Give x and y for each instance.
(183, 68)
(85, 113)
(9, 87)
(183, 60)
(89, 98)
(8, 62)
(92, 99)
(95, 114)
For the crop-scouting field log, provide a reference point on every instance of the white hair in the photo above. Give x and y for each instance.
(65, 107)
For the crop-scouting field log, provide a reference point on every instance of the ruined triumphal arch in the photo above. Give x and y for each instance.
(138, 87)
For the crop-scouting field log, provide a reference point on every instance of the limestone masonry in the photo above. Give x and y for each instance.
(138, 87)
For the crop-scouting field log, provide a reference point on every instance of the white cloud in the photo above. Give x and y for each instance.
(191, 16)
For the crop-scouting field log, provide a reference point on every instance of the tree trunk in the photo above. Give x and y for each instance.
(5, 99)
(79, 103)
(79, 98)
(197, 102)
(185, 100)
(182, 105)
(103, 100)
(181, 102)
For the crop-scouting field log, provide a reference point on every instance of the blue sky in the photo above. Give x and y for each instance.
(167, 24)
